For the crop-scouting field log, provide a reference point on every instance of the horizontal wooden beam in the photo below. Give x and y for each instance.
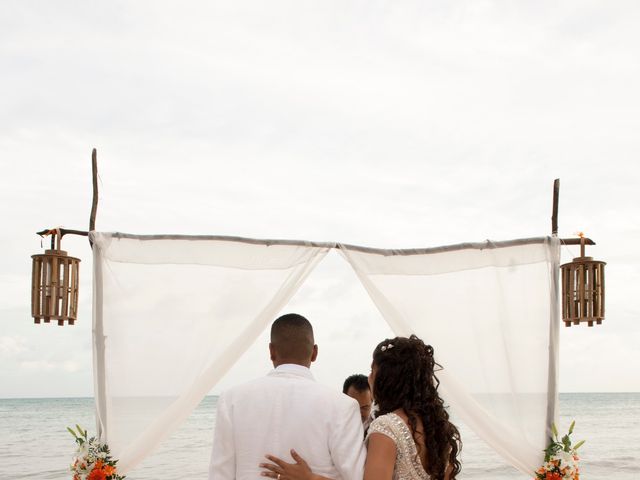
(63, 232)
(66, 231)
(576, 241)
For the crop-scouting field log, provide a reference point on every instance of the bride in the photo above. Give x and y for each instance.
(411, 437)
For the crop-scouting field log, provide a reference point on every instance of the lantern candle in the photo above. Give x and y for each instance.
(54, 285)
(583, 289)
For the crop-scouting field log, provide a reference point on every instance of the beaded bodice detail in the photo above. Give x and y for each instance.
(408, 466)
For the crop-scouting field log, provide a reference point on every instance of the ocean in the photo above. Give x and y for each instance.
(34, 443)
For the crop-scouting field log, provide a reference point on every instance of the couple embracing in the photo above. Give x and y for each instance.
(288, 427)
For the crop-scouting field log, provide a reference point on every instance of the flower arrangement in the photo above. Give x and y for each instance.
(560, 458)
(92, 460)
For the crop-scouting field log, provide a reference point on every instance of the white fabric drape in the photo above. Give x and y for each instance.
(171, 315)
(490, 312)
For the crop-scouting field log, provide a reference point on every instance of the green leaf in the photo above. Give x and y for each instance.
(72, 433)
(554, 430)
(573, 424)
(579, 444)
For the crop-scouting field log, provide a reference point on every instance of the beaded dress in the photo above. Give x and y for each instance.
(408, 466)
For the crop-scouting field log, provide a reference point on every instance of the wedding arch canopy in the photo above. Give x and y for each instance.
(172, 314)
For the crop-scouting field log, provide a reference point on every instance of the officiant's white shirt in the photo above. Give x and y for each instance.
(284, 410)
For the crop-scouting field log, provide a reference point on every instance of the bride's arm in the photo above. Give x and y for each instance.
(381, 457)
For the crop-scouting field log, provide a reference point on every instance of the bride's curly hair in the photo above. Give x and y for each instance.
(405, 379)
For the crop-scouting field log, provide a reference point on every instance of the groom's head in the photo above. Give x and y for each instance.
(292, 341)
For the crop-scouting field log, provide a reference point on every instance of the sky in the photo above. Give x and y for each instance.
(387, 124)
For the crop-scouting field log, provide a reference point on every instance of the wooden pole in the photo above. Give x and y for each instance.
(94, 203)
(553, 368)
(554, 214)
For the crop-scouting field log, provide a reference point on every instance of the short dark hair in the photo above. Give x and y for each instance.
(357, 381)
(292, 337)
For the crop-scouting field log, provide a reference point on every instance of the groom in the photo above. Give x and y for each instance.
(287, 409)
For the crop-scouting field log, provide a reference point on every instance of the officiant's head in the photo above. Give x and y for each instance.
(292, 341)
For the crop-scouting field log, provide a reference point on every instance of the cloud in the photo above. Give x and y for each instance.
(68, 366)
(598, 359)
(12, 346)
(406, 124)
(38, 365)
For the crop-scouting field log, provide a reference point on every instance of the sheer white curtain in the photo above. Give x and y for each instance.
(490, 312)
(171, 315)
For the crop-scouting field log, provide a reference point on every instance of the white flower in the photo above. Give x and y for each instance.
(565, 457)
(83, 450)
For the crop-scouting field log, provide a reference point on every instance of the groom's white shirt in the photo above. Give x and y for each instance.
(284, 410)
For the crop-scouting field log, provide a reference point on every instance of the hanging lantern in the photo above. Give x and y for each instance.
(54, 284)
(583, 289)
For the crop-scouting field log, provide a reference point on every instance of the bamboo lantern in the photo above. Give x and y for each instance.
(583, 290)
(54, 285)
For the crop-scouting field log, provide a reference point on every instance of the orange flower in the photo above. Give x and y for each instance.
(109, 470)
(99, 464)
(97, 474)
(550, 476)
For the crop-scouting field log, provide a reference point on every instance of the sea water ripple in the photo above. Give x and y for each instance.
(35, 444)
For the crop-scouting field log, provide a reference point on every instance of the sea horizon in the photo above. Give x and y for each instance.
(47, 397)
